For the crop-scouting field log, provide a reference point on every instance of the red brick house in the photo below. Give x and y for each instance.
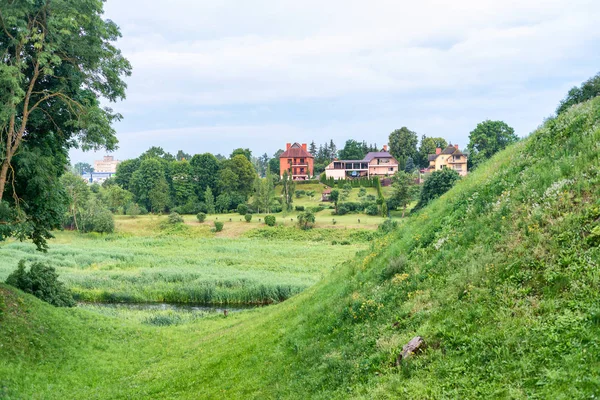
(297, 161)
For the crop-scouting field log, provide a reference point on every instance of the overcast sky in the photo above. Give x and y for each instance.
(213, 75)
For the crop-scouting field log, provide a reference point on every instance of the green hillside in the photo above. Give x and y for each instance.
(500, 276)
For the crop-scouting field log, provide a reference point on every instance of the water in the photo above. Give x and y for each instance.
(193, 308)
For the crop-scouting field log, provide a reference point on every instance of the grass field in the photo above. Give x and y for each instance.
(146, 261)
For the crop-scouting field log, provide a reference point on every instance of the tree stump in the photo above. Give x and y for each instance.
(416, 345)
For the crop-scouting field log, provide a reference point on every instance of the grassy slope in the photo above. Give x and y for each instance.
(500, 276)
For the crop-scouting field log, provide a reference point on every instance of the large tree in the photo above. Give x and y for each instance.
(488, 138)
(405, 191)
(588, 90)
(353, 150)
(205, 169)
(427, 147)
(403, 144)
(182, 182)
(58, 61)
(144, 181)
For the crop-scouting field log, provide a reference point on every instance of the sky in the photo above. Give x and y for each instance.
(214, 75)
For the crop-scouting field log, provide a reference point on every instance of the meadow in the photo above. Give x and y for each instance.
(147, 260)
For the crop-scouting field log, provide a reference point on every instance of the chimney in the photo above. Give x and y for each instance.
(385, 147)
(456, 146)
(438, 151)
(304, 147)
(287, 146)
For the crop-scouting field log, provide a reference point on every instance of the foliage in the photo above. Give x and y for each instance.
(288, 189)
(53, 79)
(264, 194)
(218, 226)
(183, 184)
(78, 193)
(175, 218)
(270, 220)
(405, 191)
(488, 138)
(306, 220)
(205, 169)
(132, 209)
(354, 150)
(42, 282)
(201, 217)
(116, 198)
(95, 217)
(209, 199)
(335, 197)
(242, 209)
(299, 208)
(588, 90)
(248, 217)
(428, 146)
(438, 183)
(403, 144)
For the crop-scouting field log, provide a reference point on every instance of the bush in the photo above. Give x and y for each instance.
(175, 218)
(242, 209)
(371, 197)
(306, 220)
(201, 217)
(248, 217)
(300, 193)
(270, 220)
(388, 226)
(42, 282)
(132, 209)
(218, 226)
(362, 192)
(299, 208)
(342, 209)
(372, 210)
(96, 218)
(438, 183)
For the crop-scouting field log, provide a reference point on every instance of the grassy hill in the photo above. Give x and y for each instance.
(499, 276)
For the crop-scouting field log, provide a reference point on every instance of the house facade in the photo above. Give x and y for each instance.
(380, 164)
(297, 161)
(107, 164)
(450, 157)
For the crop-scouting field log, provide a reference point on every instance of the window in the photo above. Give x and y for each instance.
(391, 169)
(302, 161)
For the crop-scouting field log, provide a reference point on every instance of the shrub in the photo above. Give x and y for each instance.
(42, 282)
(362, 192)
(299, 208)
(438, 183)
(248, 217)
(300, 193)
(270, 220)
(371, 197)
(388, 226)
(372, 210)
(218, 226)
(96, 218)
(242, 209)
(342, 209)
(175, 218)
(201, 217)
(133, 210)
(306, 220)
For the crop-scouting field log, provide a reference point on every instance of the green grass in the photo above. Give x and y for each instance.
(499, 276)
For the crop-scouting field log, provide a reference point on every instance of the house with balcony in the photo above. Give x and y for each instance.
(380, 164)
(450, 157)
(297, 161)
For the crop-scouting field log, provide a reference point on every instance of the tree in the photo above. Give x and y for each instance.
(150, 177)
(78, 193)
(264, 194)
(157, 152)
(333, 153)
(588, 90)
(353, 150)
(82, 168)
(58, 62)
(237, 175)
(288, 189)
(205, 169)
(404, 191)
(488, 138)
(274, 165)
(242, 152)
(312, 148)
(335, 197)
(410, 165)
(306, 220)
(181, 155)
(182, 182)
(42, 282)
(125, 171)
(158, 196)
(427, 147)
(209, 200)
(438, 183)
(403, 144)
(116, 198)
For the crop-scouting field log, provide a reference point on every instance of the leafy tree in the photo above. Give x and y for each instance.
(150, 177)
(306, 220)
(242, 152)
(125, 171)
(41, 281)
(205, 169)
(237, 175)
(353, 150)
(488, 138)
(335, 197)
(116, 198)
(403, 144)
(209, 200)
(223, 203)
(427, 147)
(274, 163)
(288, 189)
(182, 182)
(264, 194)
(58, 61)
(588, 90)
(95, 217)
(404, 191)
(438, 183)
(78, 194)
(82, 168)
(157, 152)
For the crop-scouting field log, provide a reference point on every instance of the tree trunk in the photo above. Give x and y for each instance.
(4, 176)
(403, 211)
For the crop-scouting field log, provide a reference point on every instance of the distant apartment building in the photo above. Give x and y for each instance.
(97, 177)
(380, 164)
(297, 161)
(107, 164)
(450, 157)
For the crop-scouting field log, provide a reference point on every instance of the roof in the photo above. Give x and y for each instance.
(296, 151)
(377, 154)
(450, 150)
(432, 157)
(327, 191)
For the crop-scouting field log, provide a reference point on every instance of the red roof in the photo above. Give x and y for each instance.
(296, 151)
